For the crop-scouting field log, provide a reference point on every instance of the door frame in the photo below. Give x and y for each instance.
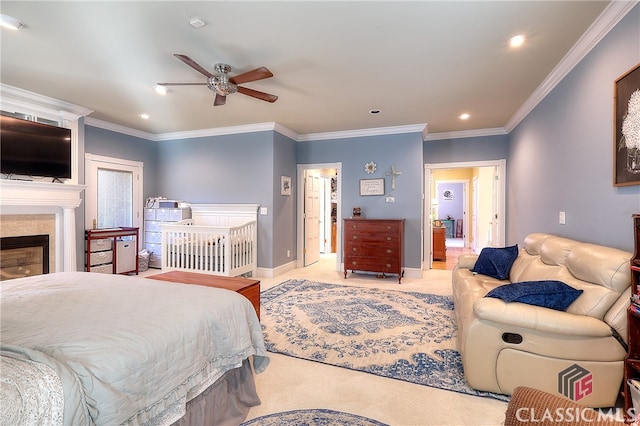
(92, 164)
(501, 167)
(300, 210)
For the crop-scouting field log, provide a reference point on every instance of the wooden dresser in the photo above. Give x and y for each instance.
(439, 243)
(374, 245)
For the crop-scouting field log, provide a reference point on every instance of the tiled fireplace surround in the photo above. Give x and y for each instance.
(33, 208)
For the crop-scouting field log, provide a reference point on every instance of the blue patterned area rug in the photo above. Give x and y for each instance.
(401, 335)
(316, 417)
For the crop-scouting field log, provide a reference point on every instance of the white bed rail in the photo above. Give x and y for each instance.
(218, 250)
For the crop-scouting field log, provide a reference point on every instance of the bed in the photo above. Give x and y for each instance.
(219, 239)
(81, 348)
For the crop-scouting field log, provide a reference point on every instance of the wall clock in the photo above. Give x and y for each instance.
(370, 167)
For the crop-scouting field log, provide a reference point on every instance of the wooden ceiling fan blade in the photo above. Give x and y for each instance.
(258, 95)
(253, 75)
(193, 64)
(219, 100)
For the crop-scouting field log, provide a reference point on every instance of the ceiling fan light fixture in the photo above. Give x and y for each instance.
(10, 23)
(161, 90)
(464, 116)
(197, 22)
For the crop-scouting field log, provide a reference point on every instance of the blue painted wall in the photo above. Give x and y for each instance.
(117, 145)
(482, 148)
(240, 168)
(402, 150)
(284, 212)
(561, 154)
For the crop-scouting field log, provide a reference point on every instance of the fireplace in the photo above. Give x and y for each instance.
(27, 199)
(24, 256)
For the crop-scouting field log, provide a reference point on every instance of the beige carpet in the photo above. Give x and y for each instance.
(291, 384)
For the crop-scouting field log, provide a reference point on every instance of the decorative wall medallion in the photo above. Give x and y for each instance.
(370, 167)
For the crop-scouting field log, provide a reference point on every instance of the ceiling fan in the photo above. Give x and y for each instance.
(222, 85)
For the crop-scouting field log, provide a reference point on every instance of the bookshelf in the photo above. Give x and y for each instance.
(632, 361)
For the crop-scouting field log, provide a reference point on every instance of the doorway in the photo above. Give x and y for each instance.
(482, 217)
(318, 222)
(114, 192)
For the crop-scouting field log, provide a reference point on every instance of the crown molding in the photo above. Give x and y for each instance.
(609, 18)
(217, 131)
(119, 129)
(467, 134)
(286, 131)
(259, 127)
(14, 99)
(376, 131)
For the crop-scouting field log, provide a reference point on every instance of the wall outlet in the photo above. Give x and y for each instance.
(562, 218)
(263, 211)
(390, 200)
(288, 253)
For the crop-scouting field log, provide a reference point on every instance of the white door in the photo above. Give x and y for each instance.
(474, 219)
(114, 192)
(495, 217)
(312, 193)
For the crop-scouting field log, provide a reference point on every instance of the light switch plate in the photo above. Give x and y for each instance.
(263, 211)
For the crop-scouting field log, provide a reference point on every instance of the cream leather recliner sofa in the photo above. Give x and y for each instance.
(578, 353)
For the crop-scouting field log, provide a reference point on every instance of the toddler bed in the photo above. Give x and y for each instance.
(219, 239)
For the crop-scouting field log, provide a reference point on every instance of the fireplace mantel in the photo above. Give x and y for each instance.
(22, 197)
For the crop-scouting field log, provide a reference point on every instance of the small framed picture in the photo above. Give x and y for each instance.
(371, 186)
(285, 185)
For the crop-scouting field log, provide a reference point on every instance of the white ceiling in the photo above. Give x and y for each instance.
(333, 61)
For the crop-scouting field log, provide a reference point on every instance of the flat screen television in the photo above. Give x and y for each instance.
(30, 148)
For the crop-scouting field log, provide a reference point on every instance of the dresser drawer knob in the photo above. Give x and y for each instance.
(388, 226)
(389, 238)
(355, 237)
(388, 265)
(389, 251)
(355, 249)
(354, 263)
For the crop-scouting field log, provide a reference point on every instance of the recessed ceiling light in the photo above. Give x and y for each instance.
(161, 90)
(10, 22)
(517, 40)
(375, 111)
(464, 116)
(144, 116)
(197, 22)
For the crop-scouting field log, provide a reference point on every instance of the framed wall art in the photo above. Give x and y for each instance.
(285, 185)
(371, 186)
(626, 139)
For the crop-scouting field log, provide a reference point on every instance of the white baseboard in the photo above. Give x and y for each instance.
(274, 272)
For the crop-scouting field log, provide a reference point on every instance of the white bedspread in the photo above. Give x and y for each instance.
(127, 349)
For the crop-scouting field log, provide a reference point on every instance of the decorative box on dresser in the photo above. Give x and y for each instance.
(374, 245)
(632, 361)
(153, 218)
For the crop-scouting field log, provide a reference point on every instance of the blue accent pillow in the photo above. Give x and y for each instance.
(549, 294)
(496, 262)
